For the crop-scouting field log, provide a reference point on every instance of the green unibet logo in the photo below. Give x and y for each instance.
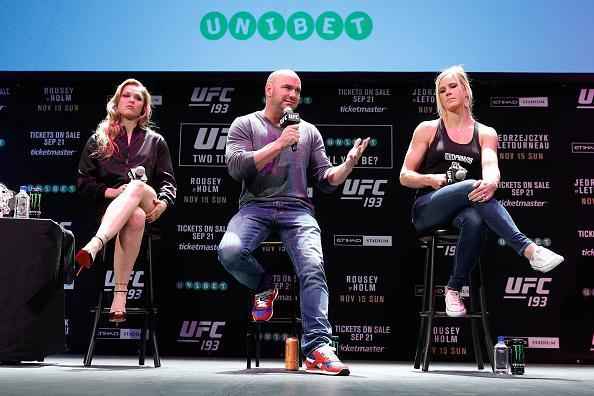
(299, 26)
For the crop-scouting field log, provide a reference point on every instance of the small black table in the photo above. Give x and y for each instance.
(31, 288)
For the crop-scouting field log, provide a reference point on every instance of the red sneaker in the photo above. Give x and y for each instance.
(324, 361)
(262, 308)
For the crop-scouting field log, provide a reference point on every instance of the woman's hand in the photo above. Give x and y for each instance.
(157, 211)
(482, 191)
(111, 193)
(437, 181)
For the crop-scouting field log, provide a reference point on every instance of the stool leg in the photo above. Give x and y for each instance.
(145, 325)
(297, 332)
(431, 307)
(148, 298)
(257, 337)
(91, 349)
(474, 328)
(149, 302)
(422, 318)
(483, 304)
(300, 334)
(248, 347)
(153, 335)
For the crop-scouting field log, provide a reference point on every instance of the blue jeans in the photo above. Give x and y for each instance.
(450, 205)
(300, 233)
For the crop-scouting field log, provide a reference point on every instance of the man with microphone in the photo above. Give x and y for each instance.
(274, 162)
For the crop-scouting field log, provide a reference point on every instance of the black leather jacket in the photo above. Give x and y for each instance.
(147, 148)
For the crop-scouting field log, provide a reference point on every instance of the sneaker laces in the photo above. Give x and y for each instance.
(328, 353)
(262, 299)
(453, 297)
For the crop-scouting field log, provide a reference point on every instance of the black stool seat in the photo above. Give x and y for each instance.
(148, 310)
(430, 240)
(444, 236)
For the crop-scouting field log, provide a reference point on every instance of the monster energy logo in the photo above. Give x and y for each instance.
(299, 26)
(518, 352)
(517, 356)
(35, 203)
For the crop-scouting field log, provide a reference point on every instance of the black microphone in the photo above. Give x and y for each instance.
(455, 173)
(290, 118)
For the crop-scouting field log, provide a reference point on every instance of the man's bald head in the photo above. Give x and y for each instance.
(283, 72)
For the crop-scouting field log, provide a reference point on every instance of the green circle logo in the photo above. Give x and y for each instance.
(271, 25)
(329, 25)
(358, 25)
(300, 26)
(213, 25)
(242, 25)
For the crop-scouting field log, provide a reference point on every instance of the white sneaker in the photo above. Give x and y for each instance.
(544, 260)
(454, 305)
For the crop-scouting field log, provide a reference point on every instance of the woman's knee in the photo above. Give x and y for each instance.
(139, 189)
(466, 185)
(137, 220)
(136, 188)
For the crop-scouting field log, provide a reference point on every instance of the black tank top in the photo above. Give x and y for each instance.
(443, 152)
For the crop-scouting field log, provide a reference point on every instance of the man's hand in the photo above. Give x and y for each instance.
(289, 136)
(157, 211)
(338, 174)
(355, 153)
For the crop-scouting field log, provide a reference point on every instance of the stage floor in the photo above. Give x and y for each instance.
(65, 375)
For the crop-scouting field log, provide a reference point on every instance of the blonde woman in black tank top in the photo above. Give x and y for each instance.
(469, 205)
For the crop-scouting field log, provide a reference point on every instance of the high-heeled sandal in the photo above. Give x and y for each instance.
(85, 258)
(119, 316)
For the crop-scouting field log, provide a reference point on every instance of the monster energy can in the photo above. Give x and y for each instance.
(517, 346)
(35, 203)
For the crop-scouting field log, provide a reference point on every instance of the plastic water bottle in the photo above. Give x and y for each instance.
(21, 203)
(501, 356)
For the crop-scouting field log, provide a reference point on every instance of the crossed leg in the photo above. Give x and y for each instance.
(125, 218)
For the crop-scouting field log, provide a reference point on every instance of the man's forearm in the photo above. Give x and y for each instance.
(338, 174)
(266, 154)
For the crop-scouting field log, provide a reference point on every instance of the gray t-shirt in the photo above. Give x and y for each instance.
(284, 178)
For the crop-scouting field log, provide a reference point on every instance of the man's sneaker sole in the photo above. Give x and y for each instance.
(344, 372)
(549, 267)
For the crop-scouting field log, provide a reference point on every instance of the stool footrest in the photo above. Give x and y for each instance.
(277, 321)
(441, 314)
(130, 311)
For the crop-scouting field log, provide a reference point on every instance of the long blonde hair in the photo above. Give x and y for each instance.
(458, 72)
(110, 127)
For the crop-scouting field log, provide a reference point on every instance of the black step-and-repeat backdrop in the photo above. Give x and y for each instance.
(546, 151)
